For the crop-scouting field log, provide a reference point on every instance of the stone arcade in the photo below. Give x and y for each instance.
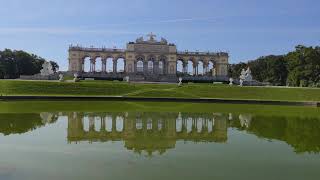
(148, 60)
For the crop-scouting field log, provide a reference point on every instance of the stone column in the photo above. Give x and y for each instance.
(135, 67)
(114, 124)
(164, 67)
(103, 123)
(195, 67)
(124, 65)
(145, 67)
(204, 68)
(156, 67)
(160, 71)
(185, 67)
(91, 123)
(93, 65)
(104, 65)
(82, 64)
(217, 69)
(114, 65)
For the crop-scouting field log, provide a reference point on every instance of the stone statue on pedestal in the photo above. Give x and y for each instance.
(214, 73)
(76, 79)
(152, 37)
(248, 75)
(164, 41)
(180, 81)
(46, 69)
(139, 40)
(242, 77)
(61, 77)
(231, 81)
(245, 76)
(127, 79)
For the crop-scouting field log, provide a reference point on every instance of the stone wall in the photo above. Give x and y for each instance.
(39, 77)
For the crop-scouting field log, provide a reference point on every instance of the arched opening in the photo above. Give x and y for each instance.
(161, 66)
(86, 124)
(98, 64)
(150, 66)
(149, 124)
(190, 68)
(209, 126)
(119, 124)
(140, 65)
(86, 64)
(179, 124)
(109, 64)
(179, 66)
(139, 124)
(120, 65)
(200, 68)
(108, 121)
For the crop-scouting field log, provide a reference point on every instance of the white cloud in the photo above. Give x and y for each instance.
(100, 30)
(60, 30)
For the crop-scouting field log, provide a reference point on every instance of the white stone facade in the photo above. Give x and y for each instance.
(150, 59)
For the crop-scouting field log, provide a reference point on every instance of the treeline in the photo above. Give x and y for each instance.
(301, 133)
(16, 63)
(298, 68)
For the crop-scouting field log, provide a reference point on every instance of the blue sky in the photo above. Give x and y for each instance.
(246, 29)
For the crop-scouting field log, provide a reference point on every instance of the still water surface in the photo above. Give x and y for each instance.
(158, 145)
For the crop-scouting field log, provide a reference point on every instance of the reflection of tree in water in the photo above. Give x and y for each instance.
(303, 134)
(157, 132)
(22, 123)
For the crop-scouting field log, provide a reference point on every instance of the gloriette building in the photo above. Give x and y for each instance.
(147, 60)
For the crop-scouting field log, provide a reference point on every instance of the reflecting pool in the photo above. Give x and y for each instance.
(151, 144)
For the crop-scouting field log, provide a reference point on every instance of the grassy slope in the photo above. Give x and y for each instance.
(104, 88)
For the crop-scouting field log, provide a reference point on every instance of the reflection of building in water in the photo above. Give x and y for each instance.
(147, 131)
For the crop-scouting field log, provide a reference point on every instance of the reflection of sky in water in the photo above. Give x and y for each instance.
(145, 145)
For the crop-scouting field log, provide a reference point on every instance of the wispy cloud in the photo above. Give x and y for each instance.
(60, 30)
(120, 28)
(178, 20)
(109, 29)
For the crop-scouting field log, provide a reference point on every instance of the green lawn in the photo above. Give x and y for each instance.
(107, 88)
(110, 106)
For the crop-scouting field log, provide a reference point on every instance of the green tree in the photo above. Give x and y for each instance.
(235, 69)
(16, 63)
(271, 69)
(304, 66)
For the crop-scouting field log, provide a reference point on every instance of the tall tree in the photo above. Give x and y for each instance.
(16, 63)
(271, 69)
(304, 66)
